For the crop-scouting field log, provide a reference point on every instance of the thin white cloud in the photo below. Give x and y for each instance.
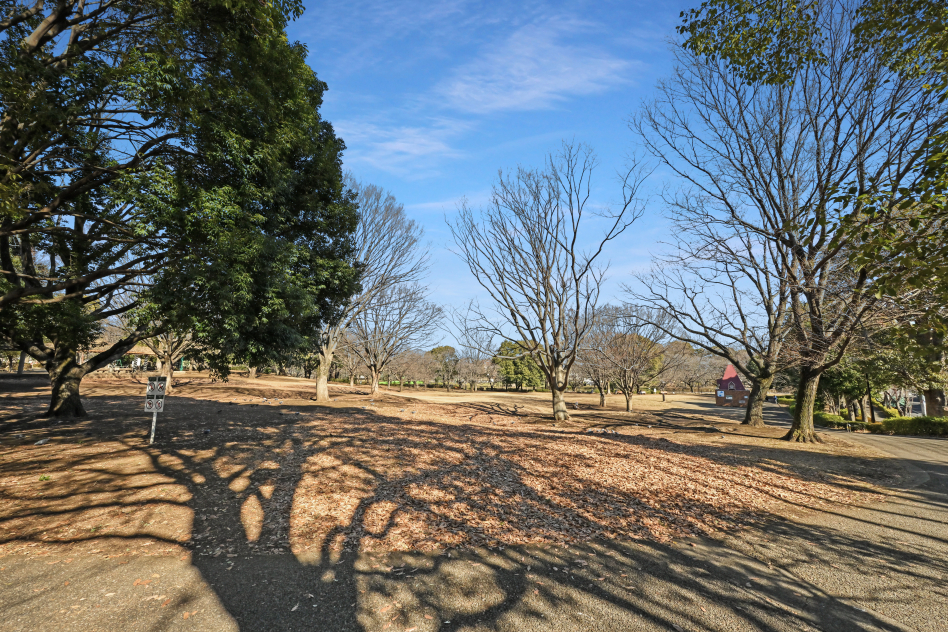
(535, 68)
(412, 152)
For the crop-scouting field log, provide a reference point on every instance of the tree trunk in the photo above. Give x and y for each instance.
(375, 381)
(19, 368)
(322, 382)
(65, 376)
(802, 429)
(935, 403)
(628, 400)
(754, 414)
(168, 372)
(864, 406)
(602, 397)
(560, 412)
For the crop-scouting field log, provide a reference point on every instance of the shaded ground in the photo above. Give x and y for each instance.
(204, 524)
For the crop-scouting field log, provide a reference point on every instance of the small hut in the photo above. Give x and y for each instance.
(731, 391)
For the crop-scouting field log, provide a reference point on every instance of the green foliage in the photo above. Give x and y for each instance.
(922, 426)
(764, 41)
(233, 222)
(517, 367)
(446, 359)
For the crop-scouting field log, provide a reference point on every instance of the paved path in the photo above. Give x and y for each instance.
(883, 567)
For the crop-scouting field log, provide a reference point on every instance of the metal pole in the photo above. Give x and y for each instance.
(154, 420)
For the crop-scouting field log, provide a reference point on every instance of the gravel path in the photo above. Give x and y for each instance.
(883, 567)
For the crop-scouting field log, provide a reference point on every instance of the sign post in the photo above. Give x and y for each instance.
(155, 401)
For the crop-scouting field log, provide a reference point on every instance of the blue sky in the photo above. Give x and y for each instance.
(432, 98)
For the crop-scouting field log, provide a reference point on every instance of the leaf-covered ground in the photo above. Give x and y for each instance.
(235, 473)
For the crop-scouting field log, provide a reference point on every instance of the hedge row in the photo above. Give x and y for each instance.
(922, 426)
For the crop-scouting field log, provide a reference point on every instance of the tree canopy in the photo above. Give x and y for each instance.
(165, 161)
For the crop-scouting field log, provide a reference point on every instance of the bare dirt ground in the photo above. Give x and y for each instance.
(256, 466)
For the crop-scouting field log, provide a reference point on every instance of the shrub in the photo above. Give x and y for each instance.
(827, 420)
(924, 426)
(786, 401)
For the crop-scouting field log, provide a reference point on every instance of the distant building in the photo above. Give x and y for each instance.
(731, 391)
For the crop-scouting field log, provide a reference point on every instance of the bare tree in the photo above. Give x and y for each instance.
(169, 346)
(407, 366)
(387, 251)
(638, 349)
(724, 289)
(594, 365)
(346, 356)
(525, 249)
(477, 345)
(699, 369)
(395, 320)
(771, 161)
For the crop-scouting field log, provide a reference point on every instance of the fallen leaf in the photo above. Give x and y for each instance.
(428, 616)
(167, 601)
(65, 583)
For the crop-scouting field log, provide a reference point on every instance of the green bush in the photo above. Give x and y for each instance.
(827, 420)
(786, 401)
(923, 426)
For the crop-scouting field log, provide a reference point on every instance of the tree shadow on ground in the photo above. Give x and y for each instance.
(286, 509)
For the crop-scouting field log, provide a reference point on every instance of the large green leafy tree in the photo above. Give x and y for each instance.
(446, 363)
(516, 368)
(164, 161)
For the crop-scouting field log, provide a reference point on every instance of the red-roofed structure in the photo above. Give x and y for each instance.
(731, 391)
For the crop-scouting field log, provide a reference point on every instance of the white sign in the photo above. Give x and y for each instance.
(150, 405)
(156, 387)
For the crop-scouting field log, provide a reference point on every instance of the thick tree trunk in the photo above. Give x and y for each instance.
(864, 406)
(375, 381)
(65, 376)
(560, 412)
(628, 400)
(253, 372)
(602, 397)
(754, 414)
(935, 403)
(322, 382)
(802, 429)
(19, 368)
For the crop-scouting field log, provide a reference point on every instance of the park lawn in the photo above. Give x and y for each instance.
(232, 473)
